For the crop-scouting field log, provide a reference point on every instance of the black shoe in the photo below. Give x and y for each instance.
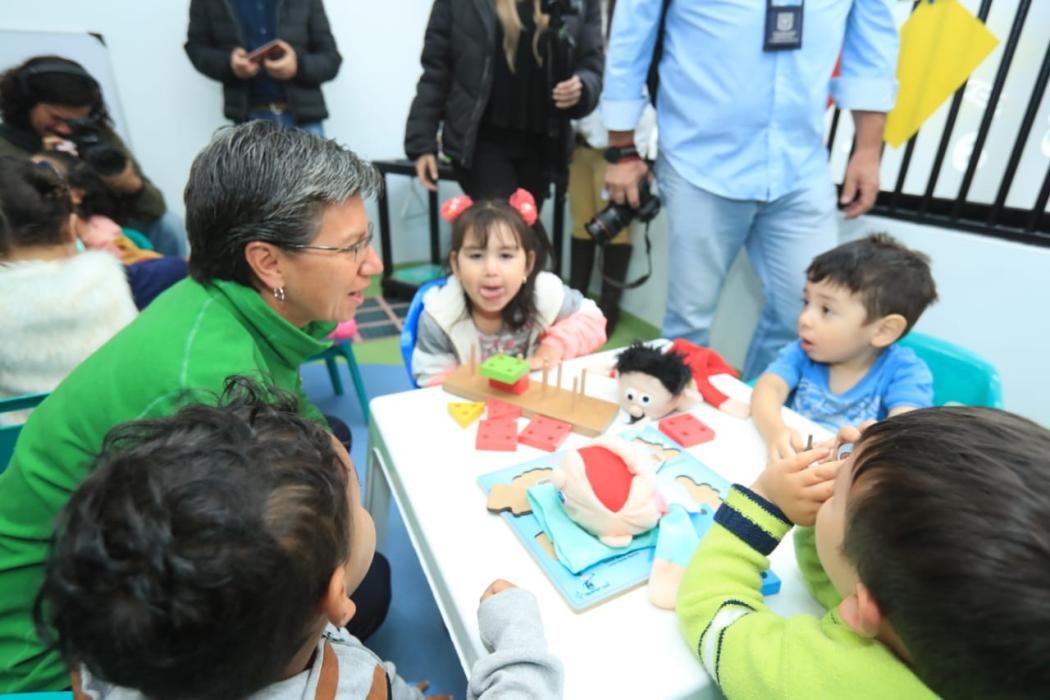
(615, 260)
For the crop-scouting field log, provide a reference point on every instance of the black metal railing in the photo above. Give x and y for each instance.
(965, 211)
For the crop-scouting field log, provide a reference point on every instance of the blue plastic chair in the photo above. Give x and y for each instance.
(410, 329)
(52, 695)
(960, 376)
(9, 433)
(342, 349)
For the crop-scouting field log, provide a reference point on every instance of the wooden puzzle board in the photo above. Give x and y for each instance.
(587, 415)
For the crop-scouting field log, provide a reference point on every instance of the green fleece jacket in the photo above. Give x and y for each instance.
(189, 339)
(752, 652)
(147, 203)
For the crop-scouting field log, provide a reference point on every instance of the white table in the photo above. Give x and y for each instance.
(623, 648)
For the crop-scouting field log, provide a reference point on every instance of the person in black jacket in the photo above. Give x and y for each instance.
(284, 86)
(485, 86)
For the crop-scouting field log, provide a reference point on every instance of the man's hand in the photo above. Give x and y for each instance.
(861, 184)
(427, 171)
(786, 443)
(497, 586)
(621, 181)
(567, 93)
(799, 485)
(241, 66)
(285, 67)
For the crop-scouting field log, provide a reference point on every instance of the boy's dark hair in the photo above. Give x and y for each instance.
(948, 525)
(891, 278)
(191, 562)
(50, 79)
(483, 218)
(35, 201)
(668, 367)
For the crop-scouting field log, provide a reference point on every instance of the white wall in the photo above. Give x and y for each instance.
(994, 294)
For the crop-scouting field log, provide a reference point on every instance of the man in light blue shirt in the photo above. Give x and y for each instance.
(742, 159)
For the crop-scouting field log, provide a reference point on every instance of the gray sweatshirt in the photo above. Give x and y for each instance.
(518, 667)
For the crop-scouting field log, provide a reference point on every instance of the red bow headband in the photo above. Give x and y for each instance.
(521, 200)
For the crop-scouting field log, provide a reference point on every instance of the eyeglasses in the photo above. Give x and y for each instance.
(350, 249)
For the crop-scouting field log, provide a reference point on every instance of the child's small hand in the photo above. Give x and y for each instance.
(544, 353)
(796, 487)
(497, 586)
(787, 443)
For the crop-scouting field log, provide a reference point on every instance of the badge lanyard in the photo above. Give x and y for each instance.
(783, 25)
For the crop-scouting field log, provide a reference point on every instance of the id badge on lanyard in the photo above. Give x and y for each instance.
(783, 25)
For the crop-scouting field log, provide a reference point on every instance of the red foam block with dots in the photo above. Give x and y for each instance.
(501, 409)
(545, 433)
(500, 435)
(686, 430)
(517, 387)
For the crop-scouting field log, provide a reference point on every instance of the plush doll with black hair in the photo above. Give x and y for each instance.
(653, 383)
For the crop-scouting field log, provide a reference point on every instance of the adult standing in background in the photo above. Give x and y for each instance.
(485, 88)
(741, 103)
(284, 85)
(52, 102)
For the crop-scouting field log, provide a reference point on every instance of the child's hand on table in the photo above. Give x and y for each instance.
(497, 586)
(787, 443)
(799, 484)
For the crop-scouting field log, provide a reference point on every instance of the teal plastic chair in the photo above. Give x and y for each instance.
(342, 349)
(960, 376)
(9, 433)
(59, 695)
(410, 328)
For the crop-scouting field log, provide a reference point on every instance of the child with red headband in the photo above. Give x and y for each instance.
(498, 298)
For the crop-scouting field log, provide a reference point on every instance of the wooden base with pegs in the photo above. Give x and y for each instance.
(587, 415)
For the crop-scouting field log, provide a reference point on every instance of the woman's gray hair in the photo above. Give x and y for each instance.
(262, 182)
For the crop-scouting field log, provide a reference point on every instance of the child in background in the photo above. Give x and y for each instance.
(58, 306)
(930, 553)
(498, 298)
(845, 368)
(211, 555)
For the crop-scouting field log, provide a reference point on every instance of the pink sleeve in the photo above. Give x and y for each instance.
(579, 334)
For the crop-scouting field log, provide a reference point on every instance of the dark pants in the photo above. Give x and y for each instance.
(501, 166)
(372, 597)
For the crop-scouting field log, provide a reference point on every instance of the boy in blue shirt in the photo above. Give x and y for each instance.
(845, 368)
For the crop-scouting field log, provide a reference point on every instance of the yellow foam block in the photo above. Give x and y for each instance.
(466, 412)
(941, 45)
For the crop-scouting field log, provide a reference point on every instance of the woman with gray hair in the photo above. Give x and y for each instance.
(281, 252)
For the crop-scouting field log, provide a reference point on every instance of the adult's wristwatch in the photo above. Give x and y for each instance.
(616, 154)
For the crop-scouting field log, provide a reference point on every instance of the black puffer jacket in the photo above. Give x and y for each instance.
(214, 32)
(458, 51)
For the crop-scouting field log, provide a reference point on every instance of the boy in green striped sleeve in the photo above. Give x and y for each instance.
(930, 551)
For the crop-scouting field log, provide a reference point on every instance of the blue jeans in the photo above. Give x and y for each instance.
(706, 233)
(287, 120)
(167, 233)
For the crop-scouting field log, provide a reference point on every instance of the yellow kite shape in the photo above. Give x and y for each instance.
(941, 45)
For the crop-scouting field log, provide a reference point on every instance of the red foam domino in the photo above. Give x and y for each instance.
(545, 433)
(686, 430)
(517, 387)
(497, 435)
(501, 409)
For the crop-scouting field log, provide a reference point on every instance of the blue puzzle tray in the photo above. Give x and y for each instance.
(609, 578)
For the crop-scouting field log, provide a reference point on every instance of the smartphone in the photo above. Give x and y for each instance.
(271, 50)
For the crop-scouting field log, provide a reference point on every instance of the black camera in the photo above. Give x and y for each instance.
(616, 217)
(95, 148)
